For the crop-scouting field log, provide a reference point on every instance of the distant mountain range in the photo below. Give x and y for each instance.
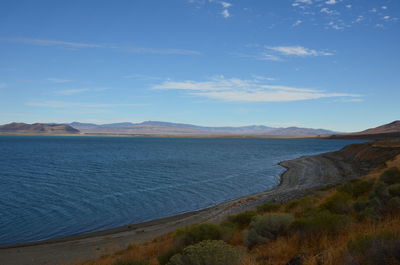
(168, 128)
(390, 130)
(38, 128)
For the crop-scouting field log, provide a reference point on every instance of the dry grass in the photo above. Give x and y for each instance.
(314, 250)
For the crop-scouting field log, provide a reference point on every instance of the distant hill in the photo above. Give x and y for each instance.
(37, 128)
(168, 128)
(390, 130)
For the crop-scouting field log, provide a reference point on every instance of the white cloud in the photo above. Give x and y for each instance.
(74, 91)
(78, 45)
(58, 80)
(298, 51)
(384, 7)
(225, 13)
(269, 57)
(161, 51)
(226, 4)
(44, 42)
(239, 90)
(64, 104)
(297, 23)
(331, 2)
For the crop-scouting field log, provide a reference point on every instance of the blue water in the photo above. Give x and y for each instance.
(57, 186)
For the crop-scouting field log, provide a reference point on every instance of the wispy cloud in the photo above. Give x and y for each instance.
(58, 80)
(162, 51)
(65, 104)
(225, 12)
(240, 90)
(81, 45)
(298, 51)
(44, 42)
(74, 91)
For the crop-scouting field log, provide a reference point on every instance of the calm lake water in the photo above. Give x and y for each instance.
(57, 186)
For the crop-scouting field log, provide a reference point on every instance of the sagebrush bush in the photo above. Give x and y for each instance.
(356, 188)
(394, 190)
(374, 249)
(199, 232)
(339, 203)
(380, 191)
(163, 258)
(209, 252)
(302, 205)
(131, 262)
(321, 222)
(266, 228)
(268, 207)
(242, 219)
(391, 176)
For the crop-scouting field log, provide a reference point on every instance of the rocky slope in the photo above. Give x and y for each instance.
(390, 130)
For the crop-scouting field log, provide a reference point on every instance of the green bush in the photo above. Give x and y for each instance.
(393, 205)
(374, 249)
(302, 205)
(339, 203)
(266, 228)
(131, 262)
(268, 207)
(361, 205)
(356, 188)
(394, 190)
(391, 176)
(380, 191)
(208, 252)
(242, 219)
(322, 222)
(166, 256)
(199, 232)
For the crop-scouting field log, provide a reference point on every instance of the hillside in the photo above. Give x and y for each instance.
(36, 128)
(390, 130)
(167, 128)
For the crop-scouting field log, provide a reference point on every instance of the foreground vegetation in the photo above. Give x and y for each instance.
(355, 223)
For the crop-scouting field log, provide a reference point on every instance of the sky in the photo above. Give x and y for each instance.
(332, 64)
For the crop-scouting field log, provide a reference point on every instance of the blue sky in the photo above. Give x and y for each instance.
(317, 63)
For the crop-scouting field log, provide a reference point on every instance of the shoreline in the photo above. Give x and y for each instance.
(173, 135)
(302, 176)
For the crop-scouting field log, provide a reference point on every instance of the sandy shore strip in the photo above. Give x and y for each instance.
(303, 175)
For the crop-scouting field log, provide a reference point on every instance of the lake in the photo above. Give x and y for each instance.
(54, 186)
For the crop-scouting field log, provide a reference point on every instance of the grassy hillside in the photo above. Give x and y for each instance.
(354, 223)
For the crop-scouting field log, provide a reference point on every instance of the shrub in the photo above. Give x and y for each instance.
(394, 190)
(322, 222)
(339, 203)
(393, 205)
(391, 176)
(131, 262)
(302, 205)
(242, 219)
(361, 205)
(208, 253)
(268, 207)
(380, 191)
(356, 188)
(380, 249)
(166, 256)
(266, 228)
(199, 232)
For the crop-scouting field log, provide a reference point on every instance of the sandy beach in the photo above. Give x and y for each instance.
(303, 176)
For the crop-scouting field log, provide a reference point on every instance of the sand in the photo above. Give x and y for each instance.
(303, 176)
